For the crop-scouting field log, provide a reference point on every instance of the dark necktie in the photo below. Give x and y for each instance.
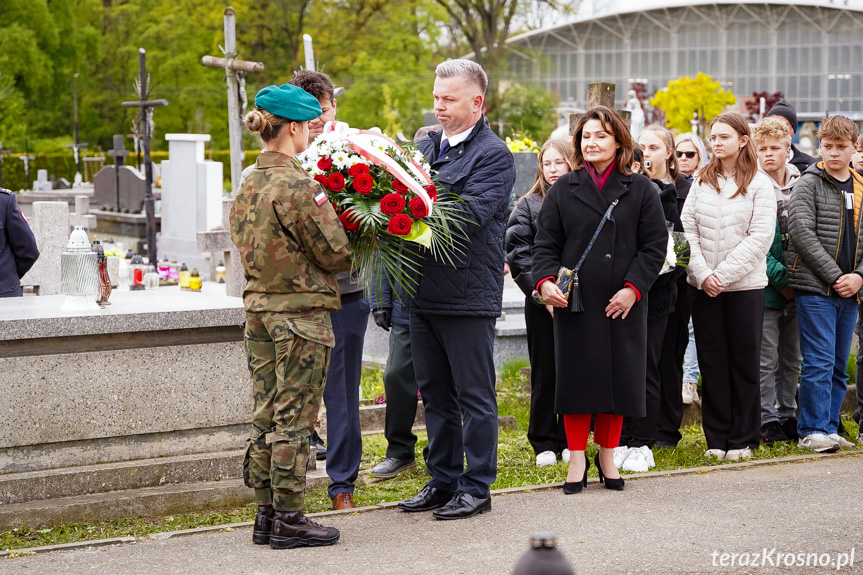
(444, 146)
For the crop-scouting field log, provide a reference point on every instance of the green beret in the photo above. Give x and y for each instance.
(289, 102)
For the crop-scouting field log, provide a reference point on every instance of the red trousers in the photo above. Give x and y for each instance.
(606, 432)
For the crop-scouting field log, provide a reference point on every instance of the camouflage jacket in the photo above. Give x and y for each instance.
(290, 240)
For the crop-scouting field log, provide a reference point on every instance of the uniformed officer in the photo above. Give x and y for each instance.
(292, 245)
(18, 251)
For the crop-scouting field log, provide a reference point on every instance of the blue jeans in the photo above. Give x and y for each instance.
(690, 359)
(826, 327)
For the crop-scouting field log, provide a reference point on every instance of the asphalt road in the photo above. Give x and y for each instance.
(658, 525)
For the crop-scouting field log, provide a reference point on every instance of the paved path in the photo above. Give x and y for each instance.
(659, 525)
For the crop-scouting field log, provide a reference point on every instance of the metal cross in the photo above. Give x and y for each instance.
(146, 105)
(235, 74)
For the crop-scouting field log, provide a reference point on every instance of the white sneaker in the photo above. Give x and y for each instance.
(690, 392)
(640, 459)
(564, 455)
(738, 454)
(546, 458)
(819, 443)
(717, 453)
(620, 454)
(843, 443)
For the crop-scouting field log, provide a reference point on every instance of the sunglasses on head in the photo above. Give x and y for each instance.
(689, 155)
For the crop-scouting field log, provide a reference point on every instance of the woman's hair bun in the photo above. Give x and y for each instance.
(256, 121)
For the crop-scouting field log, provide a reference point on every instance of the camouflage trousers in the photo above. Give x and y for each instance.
(288, 358)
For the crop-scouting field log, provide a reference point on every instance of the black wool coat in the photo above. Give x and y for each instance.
(601, 362)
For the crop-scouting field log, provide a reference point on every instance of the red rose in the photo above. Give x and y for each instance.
(358, 170)
(363, 184)
(322, 180)
(336, 182)
(432, 192)
(399, 186)
(400, 225)
(325, 164)
(350, 221)
(392, 204)
(418, 208)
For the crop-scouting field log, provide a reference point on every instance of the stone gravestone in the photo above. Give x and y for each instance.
(218, 243)
(50, 225)
(132, 185)
(42, 184)
(191, 199)
(82, 216)
(525, 172)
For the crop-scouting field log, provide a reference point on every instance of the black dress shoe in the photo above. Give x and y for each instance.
(426, 500)
(578, 486)
(390, 467)
(320, 446)
(462, 506)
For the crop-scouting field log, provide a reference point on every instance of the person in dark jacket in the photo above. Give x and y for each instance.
(390, 311)
(600, 347)
(18, 250)
(786, 111)
(780, 340)
(826, 272)
(342, 393)
(453, 313)
(640, 434)
(545, 430)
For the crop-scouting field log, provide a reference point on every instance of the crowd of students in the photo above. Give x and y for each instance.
(770, 292)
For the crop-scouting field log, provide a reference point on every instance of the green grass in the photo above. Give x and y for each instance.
(515, 469)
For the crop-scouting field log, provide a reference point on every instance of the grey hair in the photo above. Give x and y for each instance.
(467, 69)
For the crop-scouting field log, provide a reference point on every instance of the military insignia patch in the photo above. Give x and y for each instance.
(320, 198)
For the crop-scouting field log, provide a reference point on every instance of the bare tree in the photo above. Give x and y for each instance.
(484, 25)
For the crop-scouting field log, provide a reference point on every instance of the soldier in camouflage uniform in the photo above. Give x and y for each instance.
(291, 244)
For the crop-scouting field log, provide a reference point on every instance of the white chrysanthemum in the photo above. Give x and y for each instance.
(341, 160)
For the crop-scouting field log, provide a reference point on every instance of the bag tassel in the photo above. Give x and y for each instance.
(575, 295)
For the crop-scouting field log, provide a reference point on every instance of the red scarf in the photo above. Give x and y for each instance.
(599, 179)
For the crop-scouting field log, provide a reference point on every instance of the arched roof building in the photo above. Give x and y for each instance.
(812, 52)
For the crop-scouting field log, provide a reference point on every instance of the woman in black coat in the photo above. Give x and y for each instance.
(601, 351)
(545, 431)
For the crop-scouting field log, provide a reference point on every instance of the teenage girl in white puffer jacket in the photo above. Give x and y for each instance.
(729, 219)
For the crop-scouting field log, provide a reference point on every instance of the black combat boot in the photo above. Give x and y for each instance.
(292, 529)
(263, 525)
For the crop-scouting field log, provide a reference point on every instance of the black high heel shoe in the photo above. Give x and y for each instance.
(578, 486)
(614, 484)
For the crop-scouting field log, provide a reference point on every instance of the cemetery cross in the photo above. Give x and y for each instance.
(119, 153)
(76, 147)
(26, 159)
(149, 203)
(235, 72)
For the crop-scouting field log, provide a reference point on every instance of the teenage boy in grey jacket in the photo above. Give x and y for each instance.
(826, 272)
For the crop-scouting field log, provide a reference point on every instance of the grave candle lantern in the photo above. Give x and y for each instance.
(137, 273)
(151, 277)
(185, 274)
(195, 281)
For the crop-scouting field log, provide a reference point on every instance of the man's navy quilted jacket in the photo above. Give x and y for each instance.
(481, 170)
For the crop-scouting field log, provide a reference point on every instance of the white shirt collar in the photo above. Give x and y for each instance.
(457, 138)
